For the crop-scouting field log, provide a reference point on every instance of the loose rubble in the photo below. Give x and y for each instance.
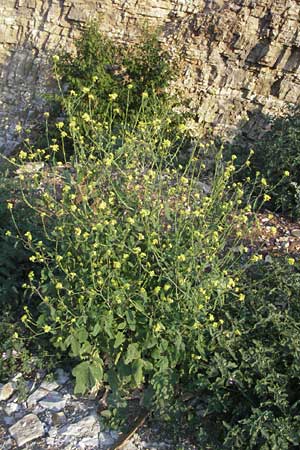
(50, 417)
(274, 235)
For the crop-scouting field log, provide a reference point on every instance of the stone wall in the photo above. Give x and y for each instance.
(239, 58)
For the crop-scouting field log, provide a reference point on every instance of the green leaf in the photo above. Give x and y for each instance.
(75, 346)
(87, 374)
(82, 335)
(81, 373)
(96, 329)
(106, 413)
(120, 338)
(137, 371)
(130, 316)
(132, 353)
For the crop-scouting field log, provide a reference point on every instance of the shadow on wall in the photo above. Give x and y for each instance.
(26, 79)
(276, 145)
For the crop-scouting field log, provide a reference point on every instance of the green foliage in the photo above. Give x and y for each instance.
(135, 257)
(250, 371)
(103, 74)
(277, 153)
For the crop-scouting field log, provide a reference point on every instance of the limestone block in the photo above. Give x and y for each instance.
(6, 391)
(27, 429)
(78, 13)
(27, 3)
(272, 55)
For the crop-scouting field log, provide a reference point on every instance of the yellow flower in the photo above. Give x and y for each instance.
(286, 173)
(130, 220)
(46, 328)
(55, 58)
(86, 117)
(112, 97)
(166, 143)
(59, 125)
(145, 95)
(117, 265)
(291, 261)
(267, 197)
(158, 327)
(256, 258)
(77, 231)
(157, 290)
(46, 114)
(18, 128)
(182, 127)
(242, 297)
(54, 147)
(264, 182)
(28, 235)
(9, 205)
(184, 180)
(102, 205)
(22, 154)
(145, 212)
(181, 257)
(24, 318)
(59, 286)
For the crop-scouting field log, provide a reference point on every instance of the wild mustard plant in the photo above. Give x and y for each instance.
(136, 258)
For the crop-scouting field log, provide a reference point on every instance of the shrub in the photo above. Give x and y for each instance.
(14, 269)
(249, 374)
(135, 258)
(277, 157)
(103, 73)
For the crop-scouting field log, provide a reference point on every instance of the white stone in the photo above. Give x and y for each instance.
(49, 385)
(36, 396)
(27, 429)
(86, 427)
(11, 408)
(88, 442)
(53, 401)
(295, 232)
(6, 391)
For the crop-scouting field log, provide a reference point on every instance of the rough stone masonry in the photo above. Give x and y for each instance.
(239, 58)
